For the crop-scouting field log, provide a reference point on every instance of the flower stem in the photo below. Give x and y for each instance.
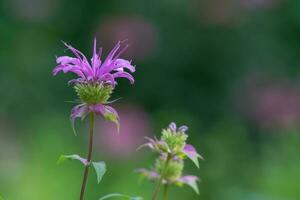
(156, 191)
(89, 157)
(166, 190)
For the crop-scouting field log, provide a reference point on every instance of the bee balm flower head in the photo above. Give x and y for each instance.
(96, 79)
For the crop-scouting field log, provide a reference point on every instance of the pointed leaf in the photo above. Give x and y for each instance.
(195, 161)
(100, 168)
(194, 186)
(63, 158)
(190, 181)
(192, 154)
(126, 197)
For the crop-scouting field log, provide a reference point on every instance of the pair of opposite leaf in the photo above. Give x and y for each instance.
(99, 167)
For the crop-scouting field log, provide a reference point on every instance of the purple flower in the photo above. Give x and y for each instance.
(82, 110)
(96, 80)
(173, 128)
(96, 71)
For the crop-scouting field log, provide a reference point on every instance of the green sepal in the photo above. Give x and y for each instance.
(193, 157)
(126, 197)
(100, 169)
(109, 116)
(63, 158)
(194, 186)
(195, 160)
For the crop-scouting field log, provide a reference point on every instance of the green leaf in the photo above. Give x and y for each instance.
(63, 158)
(192, 154)
(194, 186)
(195, 160)
(1, 198)
(100, 168)
(120, 195)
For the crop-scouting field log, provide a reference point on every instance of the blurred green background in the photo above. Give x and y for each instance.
(227, 69)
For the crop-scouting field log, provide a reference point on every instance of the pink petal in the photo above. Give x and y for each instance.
(121, 64)
(124, 75)
(79, 111)
(96, 62)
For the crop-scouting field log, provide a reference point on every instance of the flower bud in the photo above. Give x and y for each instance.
(174, 140)
(172, 172)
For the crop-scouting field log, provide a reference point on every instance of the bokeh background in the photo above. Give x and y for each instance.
(227, 69)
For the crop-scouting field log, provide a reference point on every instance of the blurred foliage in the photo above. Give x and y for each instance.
(203, 54)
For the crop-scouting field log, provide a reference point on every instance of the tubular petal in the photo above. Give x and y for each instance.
(79, 111)
(124, 75)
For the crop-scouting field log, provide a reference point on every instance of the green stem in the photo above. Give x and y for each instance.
(89, 157)
(157, 188)
(166, 190)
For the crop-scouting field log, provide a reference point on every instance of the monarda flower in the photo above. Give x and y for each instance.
(96, 80)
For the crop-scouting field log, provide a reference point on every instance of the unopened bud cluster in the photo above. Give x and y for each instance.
(172, 149)
(175, 140)
(173, 170)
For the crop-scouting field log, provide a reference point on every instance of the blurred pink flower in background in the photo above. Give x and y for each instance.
(141, 34)
(135, 124)
(270, 103)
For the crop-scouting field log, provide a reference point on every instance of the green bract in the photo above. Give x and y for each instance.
(93, 93)
(173, 150)
(172, 172)
(175, 140)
